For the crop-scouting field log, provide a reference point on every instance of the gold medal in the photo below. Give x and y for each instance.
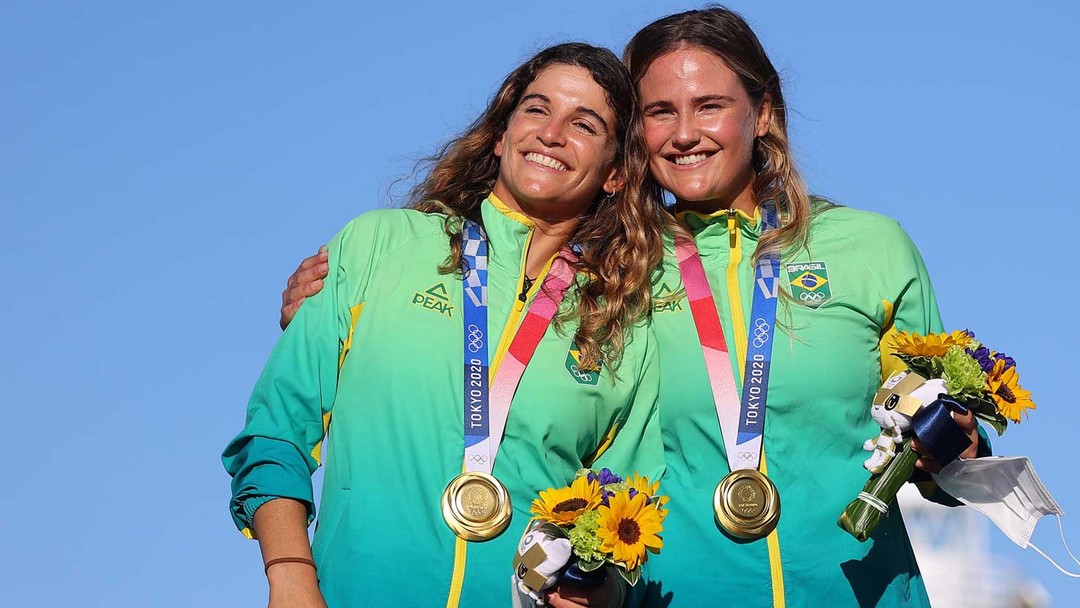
(747, 504)
(476, 506)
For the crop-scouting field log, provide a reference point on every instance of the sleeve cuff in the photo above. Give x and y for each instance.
(248, 508)
(268, 469)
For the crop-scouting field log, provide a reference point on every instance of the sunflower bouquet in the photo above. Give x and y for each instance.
(599, 520)
(947, 372)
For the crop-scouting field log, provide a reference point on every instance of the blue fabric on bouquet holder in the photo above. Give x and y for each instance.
(589, 580)
(938, 432)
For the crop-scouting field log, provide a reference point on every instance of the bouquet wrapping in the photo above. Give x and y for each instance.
(598, 523)
(946, 373)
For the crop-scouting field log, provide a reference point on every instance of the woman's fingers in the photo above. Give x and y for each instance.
(968, 424)
(306, 281)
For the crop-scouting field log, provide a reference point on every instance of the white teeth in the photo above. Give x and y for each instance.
(690, 159)
(547, 161)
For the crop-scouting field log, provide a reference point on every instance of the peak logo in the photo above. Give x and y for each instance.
(666, 300)
(435, 298)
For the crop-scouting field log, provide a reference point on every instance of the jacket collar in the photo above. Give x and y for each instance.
(717, 223)
(508, 233)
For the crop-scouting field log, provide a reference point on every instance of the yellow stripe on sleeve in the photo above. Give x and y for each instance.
(889, 364)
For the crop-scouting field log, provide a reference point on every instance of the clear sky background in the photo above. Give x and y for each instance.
(165, 166)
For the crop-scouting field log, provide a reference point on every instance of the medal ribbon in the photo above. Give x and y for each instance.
(486, 409)
(742, 422)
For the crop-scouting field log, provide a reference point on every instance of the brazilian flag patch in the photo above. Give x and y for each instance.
(573, 367)
(810, 283)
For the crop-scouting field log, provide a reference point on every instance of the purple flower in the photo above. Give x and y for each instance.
(983, 356)
(605, 477)
(1009, 361)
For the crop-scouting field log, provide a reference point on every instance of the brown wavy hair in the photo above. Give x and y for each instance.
(619, 236)
(726, 34)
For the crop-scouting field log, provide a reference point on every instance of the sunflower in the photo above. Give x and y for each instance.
(933, 345)
(629, 527)
(561, 506)
(1004, 385)
(641, 484)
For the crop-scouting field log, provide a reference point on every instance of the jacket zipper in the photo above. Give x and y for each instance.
(457, 578)
(738, 326)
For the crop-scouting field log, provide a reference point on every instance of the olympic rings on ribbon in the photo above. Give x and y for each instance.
(761, 332)
(477, 458)
(476, 339)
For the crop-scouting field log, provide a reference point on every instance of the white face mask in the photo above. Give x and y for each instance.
(1007, 490)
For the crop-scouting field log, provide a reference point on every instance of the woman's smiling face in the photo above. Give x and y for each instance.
(700, 125)
(557, 155)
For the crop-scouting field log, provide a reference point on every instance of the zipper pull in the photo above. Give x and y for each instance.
(523, 297)
(732, 226)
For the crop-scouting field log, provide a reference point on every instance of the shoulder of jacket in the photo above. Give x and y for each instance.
(389, 229)
(863, 228)
(404, 222)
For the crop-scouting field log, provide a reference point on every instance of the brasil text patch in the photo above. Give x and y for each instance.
(810, 283)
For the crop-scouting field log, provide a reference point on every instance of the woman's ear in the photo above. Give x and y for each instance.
(764, 118)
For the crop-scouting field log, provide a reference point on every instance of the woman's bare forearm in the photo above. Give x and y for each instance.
(281, 527)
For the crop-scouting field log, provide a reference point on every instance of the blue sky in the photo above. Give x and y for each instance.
(165, 166)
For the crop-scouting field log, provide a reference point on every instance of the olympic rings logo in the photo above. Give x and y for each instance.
(476, 339)
(761, 332)
(582, 375)
(811, 296)
(477, 458)
(746, 455)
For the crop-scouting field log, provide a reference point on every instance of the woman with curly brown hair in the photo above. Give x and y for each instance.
(537, 215)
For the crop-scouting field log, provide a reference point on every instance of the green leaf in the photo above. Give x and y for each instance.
(631, 577)
(588, 566)
(986, 410)
(927, 367)
(997, 421)
(552, 530)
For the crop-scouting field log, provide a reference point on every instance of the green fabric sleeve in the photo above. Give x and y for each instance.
(905, 283)
(272, 457)
(916, 310)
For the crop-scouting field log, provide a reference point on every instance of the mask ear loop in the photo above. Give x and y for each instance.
(1066, 545)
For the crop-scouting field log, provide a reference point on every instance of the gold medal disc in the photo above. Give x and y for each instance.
(747, 504)
(476, 506)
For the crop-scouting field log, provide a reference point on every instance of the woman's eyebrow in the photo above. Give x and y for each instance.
(580, 109)
(697, 101)
(531, 96)
(594, 114)
(715, 97)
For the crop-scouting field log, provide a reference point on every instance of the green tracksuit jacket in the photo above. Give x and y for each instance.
(867, 281)
(374, 363)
